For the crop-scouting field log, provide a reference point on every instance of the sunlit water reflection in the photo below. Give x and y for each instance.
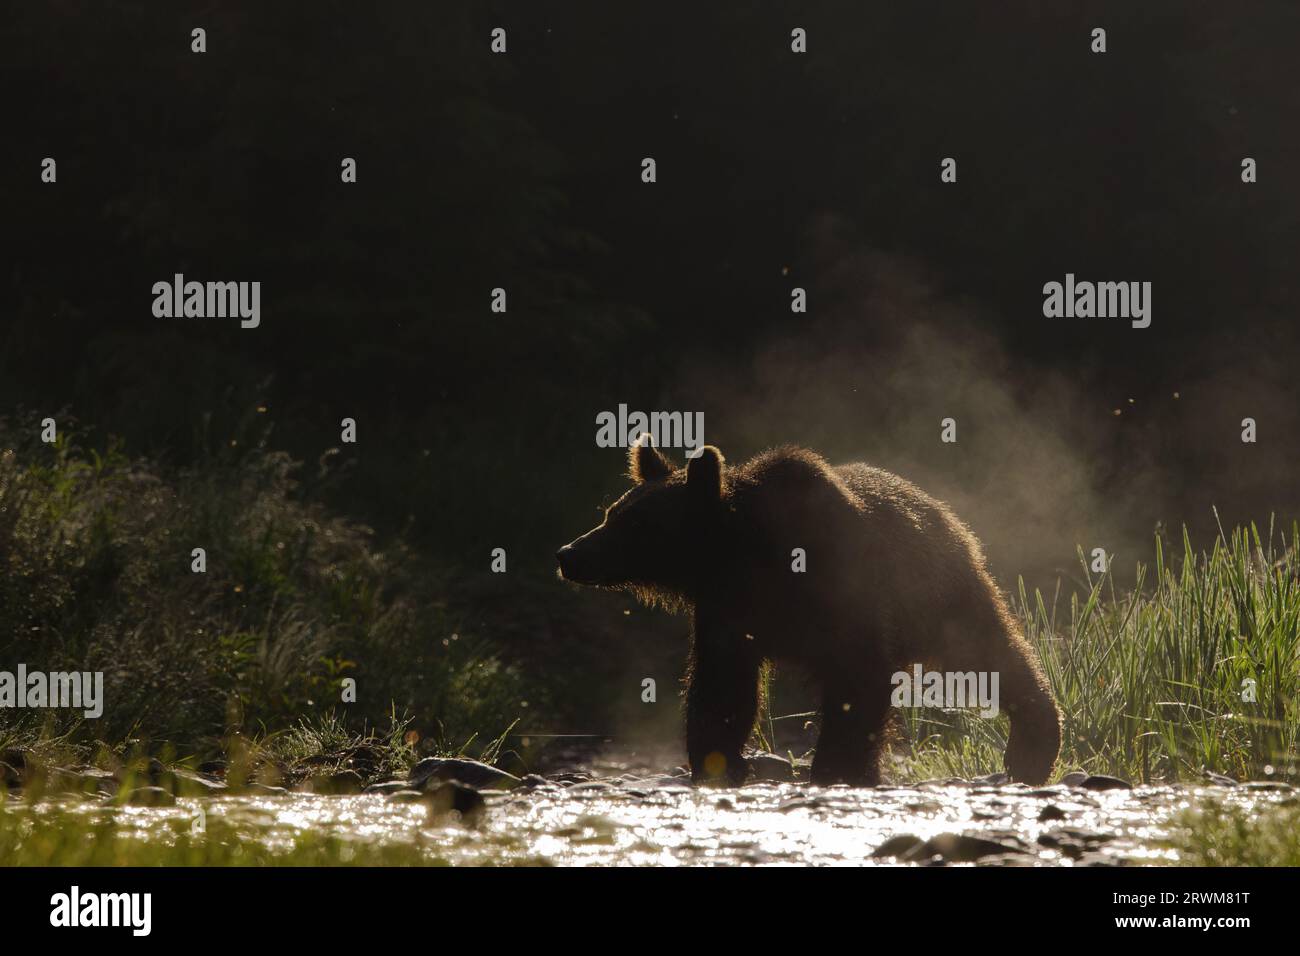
(660, 822)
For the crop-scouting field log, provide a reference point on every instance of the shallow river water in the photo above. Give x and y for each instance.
(657, 821)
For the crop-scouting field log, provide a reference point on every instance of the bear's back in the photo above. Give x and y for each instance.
(899, 509)
(854, 507)
(883, 557)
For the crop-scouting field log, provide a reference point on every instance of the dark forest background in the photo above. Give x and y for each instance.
(476, 430)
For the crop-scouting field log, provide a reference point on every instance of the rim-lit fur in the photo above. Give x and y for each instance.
(893, 578)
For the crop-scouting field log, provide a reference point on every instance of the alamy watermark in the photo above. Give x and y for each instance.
(1086, 300)
(82, 690)
(208, 300)
(946, 689)
(75, 908)
(622, 429)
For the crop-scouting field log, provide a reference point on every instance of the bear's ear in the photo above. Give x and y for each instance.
(704, 474)
(645, 463)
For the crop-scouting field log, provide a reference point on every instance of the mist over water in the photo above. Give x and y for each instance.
(1051, 453)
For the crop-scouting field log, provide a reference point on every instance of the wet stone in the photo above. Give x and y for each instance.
(186, 783)
(386, 786)
(147, 797)
(922, 806)
(897, 846)
(100, 781)
(960, 848)
(433, 770)
(1050, 812)
(406, 796)
(676, 787)
(1099, 781)
(801, 803)
(1051, 792)
(263, 789)
(947, 782)
(1091, 837)
(567, 779)
(1073, 851)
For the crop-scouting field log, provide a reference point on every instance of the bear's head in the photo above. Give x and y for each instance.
(654, 539)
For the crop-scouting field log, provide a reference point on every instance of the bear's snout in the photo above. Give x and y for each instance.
(580, 561)
(568, 560)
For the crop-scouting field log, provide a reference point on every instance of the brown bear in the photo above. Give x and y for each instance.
(892, 578)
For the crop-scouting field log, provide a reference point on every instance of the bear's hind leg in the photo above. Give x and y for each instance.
(852, 736)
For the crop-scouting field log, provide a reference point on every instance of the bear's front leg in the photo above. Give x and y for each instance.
(721, 705)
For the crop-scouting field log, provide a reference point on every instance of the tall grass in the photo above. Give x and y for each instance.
(1152, 673)
(96, 550)
(1155, 682)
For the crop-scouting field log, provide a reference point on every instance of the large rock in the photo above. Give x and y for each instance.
(898, 845)
(960, 848)
(433, 770)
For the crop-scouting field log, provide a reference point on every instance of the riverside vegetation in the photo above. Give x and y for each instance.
(227, 682)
